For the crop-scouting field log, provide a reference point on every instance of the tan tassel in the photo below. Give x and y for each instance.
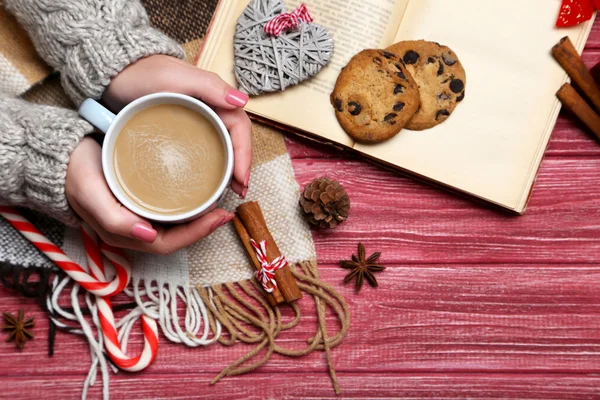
(231, 306)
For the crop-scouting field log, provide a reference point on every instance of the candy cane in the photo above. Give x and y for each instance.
(107, 322)
(96, 283)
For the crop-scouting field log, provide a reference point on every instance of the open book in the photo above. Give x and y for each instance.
(492, 144)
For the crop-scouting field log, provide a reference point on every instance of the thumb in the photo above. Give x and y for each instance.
(210, 88)
(100, 204)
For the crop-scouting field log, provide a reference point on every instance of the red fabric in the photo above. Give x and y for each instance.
(286, 21)
(574, 12)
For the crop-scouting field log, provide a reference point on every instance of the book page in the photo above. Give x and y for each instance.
(492, 144)
(354, 24)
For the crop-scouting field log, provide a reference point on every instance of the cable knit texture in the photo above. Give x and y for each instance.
(35, 144)
(90, 41)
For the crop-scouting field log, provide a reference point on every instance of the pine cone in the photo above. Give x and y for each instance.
(325, 203)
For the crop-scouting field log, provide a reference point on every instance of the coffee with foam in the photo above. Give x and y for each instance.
(169, 159)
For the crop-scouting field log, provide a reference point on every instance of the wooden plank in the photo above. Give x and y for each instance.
(591, 56)
(469, 293)
(414, 222)
(453, 318)
(304, 148)
(594, 39)
(571, 139)
(261, 385)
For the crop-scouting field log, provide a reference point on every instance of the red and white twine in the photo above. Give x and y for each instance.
(96, 283)
(287, 21)
(266, 274)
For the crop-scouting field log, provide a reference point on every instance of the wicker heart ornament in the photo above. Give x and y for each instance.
(269, 63)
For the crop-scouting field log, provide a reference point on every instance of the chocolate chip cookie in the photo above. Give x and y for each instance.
(440, 76)
(374, 96)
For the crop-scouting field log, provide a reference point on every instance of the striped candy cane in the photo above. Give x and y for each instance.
(96, 283)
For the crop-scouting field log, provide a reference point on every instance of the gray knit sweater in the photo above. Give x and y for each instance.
(88, 42)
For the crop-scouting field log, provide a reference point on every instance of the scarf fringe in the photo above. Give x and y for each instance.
(225, 313)
(72, 320)
(161, 303)
(235, 312)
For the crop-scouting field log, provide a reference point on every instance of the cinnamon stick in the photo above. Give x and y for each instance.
(275, 296)
(569, 59)
(578, 106)
(595, 71)
(253, 220)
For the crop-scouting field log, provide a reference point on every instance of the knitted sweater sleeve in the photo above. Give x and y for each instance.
(90, 41)
(35, 144)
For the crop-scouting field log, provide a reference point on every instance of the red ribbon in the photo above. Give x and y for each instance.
(287, 21)
(574, 12)
(266, 274)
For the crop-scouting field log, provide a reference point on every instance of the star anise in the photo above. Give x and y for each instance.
(18, 327)
(362, 267)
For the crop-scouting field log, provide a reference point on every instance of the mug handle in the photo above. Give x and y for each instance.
(96, 114)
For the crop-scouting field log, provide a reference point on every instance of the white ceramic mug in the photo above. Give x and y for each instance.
(111, 125)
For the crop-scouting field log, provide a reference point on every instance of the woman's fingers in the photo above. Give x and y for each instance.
(169, 238)
(210, 88)
(112, 216)
(205, 85)
(174, 238)
(238, 188)
(240, 130)
(161, 73)
(91, 197)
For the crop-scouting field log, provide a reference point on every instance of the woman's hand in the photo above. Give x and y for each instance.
(87, 191)
(161, 73)
(90, 197)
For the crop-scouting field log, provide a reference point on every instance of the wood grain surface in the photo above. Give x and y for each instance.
(475, 303)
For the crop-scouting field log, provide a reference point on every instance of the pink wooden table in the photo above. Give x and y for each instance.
(474, 303)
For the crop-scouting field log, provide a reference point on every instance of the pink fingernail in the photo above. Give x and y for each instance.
(236, 98)
(244, 192)
(222, 221)
(217, 224)
(144, 233)
(247, 179)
